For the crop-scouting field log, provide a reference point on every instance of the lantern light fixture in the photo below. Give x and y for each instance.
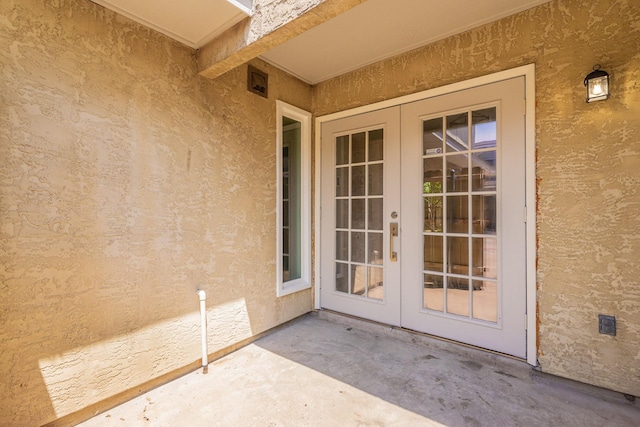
(597, 84)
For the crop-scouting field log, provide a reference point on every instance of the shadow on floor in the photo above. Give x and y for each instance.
(318, 372)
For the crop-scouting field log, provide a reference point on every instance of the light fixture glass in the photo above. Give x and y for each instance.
(597, 84)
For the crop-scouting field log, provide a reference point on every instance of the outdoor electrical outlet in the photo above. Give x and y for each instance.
(607, 324)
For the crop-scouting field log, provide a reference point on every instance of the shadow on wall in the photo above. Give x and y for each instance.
(126, 184)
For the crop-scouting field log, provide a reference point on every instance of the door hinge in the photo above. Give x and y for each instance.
(524, 212)
(526, 322)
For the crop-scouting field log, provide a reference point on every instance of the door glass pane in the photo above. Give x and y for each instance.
(357, 247)
(483, 131)
(342, 213)
(433, 251)
(357, 180)
(375, 249)
(432, 170)
(376, 283)
(342, 245)
(458, 132)
(357, 214)
(375, 179)
(358, 279)
(458, 255)
(342, 277)
(458, 296)
(432, 136)
(376, 145)
(375, 214)
(485, 257)
(457, 173)
(357, 147)
(342, 150)
(433, 214)
(342, 182)
(483, 165)
(485, 300)
(484, 214)
(457, 214)
(433, 292)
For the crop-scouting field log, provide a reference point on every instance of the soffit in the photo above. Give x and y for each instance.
(379, 29)
(191, 22)
(367, 33)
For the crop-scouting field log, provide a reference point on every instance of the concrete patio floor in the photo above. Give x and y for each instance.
(324, 369)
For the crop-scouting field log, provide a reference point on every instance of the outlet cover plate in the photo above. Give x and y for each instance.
(607, 324)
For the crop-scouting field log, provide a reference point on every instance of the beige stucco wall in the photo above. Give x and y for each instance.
(126, 183)
(588, 166)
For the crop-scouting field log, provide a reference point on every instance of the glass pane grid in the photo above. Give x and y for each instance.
(359, 266)
(459, 164)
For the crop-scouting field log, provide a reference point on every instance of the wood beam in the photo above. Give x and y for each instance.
(273, 22)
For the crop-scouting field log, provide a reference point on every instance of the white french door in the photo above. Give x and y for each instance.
(360, 198)
(422, 220)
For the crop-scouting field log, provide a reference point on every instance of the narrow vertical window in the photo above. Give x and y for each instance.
(293, 153)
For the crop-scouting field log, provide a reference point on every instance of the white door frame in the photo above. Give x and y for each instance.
(528, 71)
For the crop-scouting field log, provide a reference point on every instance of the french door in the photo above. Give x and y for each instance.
(422, 220)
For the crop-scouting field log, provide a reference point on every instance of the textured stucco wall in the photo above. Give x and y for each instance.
(126, 183)
(588, 166)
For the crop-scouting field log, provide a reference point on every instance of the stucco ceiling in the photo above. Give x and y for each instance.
(374, 30)
(191, 22)
(378, 29)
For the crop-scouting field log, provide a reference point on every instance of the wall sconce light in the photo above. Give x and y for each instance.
(597, 83)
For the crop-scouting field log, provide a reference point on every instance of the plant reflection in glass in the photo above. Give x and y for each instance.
(432, 207)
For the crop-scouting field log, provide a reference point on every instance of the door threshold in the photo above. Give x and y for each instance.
(410, 335)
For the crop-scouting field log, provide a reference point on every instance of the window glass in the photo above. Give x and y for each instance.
(294, 203)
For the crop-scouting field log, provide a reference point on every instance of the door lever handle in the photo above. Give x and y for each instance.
(393, 232)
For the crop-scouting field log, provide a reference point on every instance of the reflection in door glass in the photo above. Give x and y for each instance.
(376, 289)
(433, 176)
(375, 214)
(342, 277)
(432, 136)
(342, 150)
(433, 253)
(483, 165)
(460, 253)
(457, 132)
(342, 213)
(458, 296)
(375, 145)
(457, 173)
(485, 300)
(342, 182)
(484, 128)
(433, 292)
(484, 214)
(357, 180)
(359, 214)
(375, 249)
(375, 180)
(358, 147)
(433, 213)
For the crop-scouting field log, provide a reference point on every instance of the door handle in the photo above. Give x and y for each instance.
(393, 232)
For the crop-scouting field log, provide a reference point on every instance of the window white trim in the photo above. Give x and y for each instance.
(528, 71)
(304, 117)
